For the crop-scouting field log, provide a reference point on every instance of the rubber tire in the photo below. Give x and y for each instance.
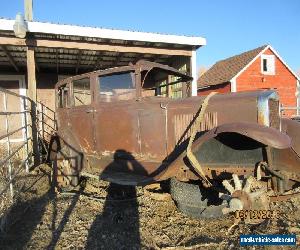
(190, 201)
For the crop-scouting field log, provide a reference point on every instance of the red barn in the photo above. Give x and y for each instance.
(260, 68)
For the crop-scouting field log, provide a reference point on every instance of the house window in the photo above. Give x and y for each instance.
(265, 65)
(268, 64)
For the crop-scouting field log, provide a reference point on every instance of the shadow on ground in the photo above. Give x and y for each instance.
(117, 227)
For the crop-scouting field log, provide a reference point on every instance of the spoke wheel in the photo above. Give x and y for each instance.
(65, 176)
(252, 197)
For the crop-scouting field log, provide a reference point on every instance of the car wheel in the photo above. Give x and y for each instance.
(196, 201)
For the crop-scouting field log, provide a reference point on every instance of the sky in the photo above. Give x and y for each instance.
(229, 26)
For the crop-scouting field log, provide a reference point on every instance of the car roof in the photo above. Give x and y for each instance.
(143, 65)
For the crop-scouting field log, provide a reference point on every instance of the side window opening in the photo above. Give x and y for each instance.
(157, 82)
(63, 97)
(117, 87)
(82, 92)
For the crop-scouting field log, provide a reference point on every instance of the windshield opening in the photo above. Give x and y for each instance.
(117, 87)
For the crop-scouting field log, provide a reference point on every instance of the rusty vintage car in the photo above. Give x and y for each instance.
(222, 152)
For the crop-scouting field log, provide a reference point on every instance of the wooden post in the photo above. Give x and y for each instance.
(31, 74)
(28, 10)
(193, 71)
(31, 78)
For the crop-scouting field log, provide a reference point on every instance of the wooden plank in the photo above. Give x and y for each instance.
(9, 57)
(92, 46)
(12, 41)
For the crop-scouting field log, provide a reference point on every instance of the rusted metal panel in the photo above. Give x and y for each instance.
(153, 137)
(81, 122)
(182, 121)
(116, 127)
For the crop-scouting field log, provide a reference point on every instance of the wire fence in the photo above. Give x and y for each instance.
(25, 131)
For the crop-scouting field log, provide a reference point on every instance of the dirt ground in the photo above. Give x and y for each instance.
(125, 218)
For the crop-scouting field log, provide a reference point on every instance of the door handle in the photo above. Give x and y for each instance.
(91, 111)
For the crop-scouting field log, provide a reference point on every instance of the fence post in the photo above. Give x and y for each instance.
(43, 122)
(26, 132)
(8, 147)
(34, 134)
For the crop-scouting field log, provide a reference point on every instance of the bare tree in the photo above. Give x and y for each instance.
(201, 70)
(298, 72)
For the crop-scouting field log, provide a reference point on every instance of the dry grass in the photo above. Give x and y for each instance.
(6, 200)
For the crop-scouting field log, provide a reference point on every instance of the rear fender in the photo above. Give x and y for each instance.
(62, 141)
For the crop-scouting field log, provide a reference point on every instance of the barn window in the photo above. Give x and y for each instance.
(265, 65)
(268, 64)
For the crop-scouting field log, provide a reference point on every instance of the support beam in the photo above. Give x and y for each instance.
(118, 59)
(78, 61)
(92, 46)
(193, 69)
(31, 80)
(9, 57)
(97, 61)
(36, 65)
(31, 74)
(28, 10)
(57, 62)
(156, 58)
(140, 57)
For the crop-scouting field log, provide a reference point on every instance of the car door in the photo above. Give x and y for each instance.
(81, 113)
(116, 120)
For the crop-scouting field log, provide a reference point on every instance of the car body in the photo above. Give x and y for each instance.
(120, 125)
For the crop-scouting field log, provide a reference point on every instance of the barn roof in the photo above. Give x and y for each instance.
(223, 71)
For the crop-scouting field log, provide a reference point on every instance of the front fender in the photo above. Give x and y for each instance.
(257, 133)
(265, 135)
(292, 129)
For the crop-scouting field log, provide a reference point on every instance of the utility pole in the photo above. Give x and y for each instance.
(28, 10)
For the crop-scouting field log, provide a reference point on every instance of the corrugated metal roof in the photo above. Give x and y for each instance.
(60, 58)
(118, 36)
